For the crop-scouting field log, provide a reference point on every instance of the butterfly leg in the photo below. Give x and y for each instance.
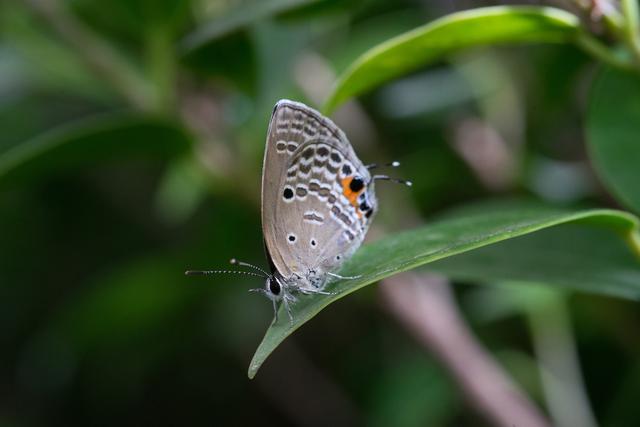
(285, 301)
(316, 291)
(337, 276)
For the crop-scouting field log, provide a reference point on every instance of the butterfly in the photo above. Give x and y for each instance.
(318, 201)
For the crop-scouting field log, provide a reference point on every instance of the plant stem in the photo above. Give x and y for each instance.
(162, 67)
(557, 356)
(96, 53)
(425, 306)
(596, 49)
(631, 26)
(633, 240)
(613, 20)
(606, 10)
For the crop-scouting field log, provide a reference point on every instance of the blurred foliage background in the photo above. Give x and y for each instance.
(131, 148)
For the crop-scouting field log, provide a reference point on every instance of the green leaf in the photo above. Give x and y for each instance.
(225, 46)
(92, 141)
(580, 257)
(237, 19)
(432, 42)
(28, 43)
(457, 234)
(129, 19)
(613, 126)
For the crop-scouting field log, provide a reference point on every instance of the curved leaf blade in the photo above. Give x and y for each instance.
(590, 259)
(431, 42)
(92, 141)
(436, 241)
(613, 126)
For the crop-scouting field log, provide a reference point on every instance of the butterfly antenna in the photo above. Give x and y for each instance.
(209, 272)
(246, 264)
(388, 178)
(393, 164)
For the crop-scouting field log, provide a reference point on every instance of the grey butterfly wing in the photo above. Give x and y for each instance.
(332, 225)
(308, 220)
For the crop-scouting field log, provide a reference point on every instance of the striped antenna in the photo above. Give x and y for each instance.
(209, 272)
(246, 264)
(393, 164)
(388, 178)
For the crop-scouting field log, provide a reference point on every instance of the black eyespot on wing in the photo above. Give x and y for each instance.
(288, 193)
(346, 170)
(356, 184)
(292, 238)
(364, 206)
(369, 213)
(313, 242)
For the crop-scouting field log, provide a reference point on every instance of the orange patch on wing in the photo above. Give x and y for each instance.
(352, 196)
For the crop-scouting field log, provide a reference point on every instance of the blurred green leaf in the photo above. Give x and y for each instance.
(613, 126)
(126, 304)
(222, 61)
(93, 141)
(429, 43)
(413, 391)
(181, 190)
(41, 58)
(129, 19)
(320, 9)
(625, 403)
(461, 232)
(231, 48)
(237, 19)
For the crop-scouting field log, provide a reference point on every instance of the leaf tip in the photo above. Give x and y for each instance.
(253, 369)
